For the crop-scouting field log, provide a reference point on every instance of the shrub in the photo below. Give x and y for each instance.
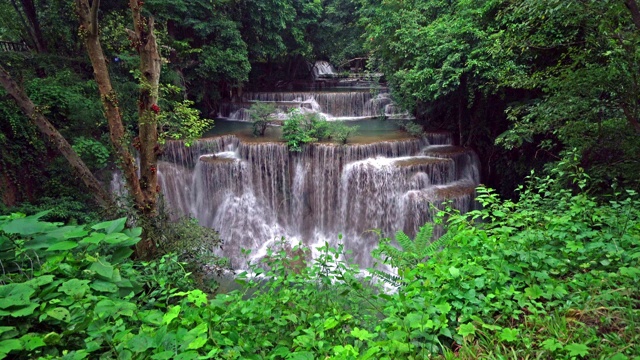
(341, 132)
(261, 116)
(412, 128)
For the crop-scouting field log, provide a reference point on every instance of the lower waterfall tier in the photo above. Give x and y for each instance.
(255, 193)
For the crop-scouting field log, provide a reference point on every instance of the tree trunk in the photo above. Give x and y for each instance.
(59, 142)
(32, 16)
(89, 31)
(144, 189)
(635, 12)
(145, 43)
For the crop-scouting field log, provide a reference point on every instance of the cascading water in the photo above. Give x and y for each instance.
(332, 105)
(256, 192)
(323, 69)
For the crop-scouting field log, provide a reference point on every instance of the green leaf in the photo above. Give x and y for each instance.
(111, 226)
(330, 323)
(534, 292)
(104, 286)
(103, 268)
(281, 351)
(171, 314)
(24, 311)
(16, 294)
(199, 342)
(140, 343)
(28, 225)
(32, 341)
(576, 349)
(551, 344)
(40, 280)
(198, 297)
(619, 356)
(454, 271)
(94, 238)
(467, 329)
(6, 346)
(60, 313)
(362, 334)
(509, 335)
(74, 288)
(121, 254)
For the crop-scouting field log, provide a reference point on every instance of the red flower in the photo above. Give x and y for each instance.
(155, 108)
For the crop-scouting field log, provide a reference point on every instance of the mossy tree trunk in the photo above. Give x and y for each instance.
(143, 188)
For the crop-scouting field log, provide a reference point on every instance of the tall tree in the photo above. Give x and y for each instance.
(143, 187)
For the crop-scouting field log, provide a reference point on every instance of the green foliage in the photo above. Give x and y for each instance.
(261, 116)
(412, 128)
(93, 153)
(552, 275)
(300, 129)
(341, 131)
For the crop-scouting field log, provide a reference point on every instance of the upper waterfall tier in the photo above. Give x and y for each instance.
(256, 192)
(334, 105)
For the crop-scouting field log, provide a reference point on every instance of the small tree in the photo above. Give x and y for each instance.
(261, 116)
(341, 132)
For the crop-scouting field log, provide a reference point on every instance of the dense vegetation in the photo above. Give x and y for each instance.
(553, 275)
(547, 270)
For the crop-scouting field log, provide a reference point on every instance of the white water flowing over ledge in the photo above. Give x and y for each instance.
(256, 193)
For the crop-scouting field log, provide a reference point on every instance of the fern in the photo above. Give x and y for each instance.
(410, 254)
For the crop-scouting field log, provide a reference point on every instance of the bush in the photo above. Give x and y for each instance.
(261, 116)
(412, 128)
(94, 154)
(341, 132)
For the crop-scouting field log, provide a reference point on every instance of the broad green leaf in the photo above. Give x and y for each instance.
(4, 329)
(104, 286)
(111, 226)
(509, 335)
(16, 294)
(330, 323)
(75, 288)
(28, 225)
(455, 272)
(94, 238)
(281, 351)
(32, 341)
(198, 297)
(444, 308)
(6, 346)
(103, 268)
(28, 310)
(551, 344)
(171, 314)
(534, 292)
(575, 349)
(140, 343)
(165, 355)
(467, 329)
(362, 334)
(121, 254)
(59, 313)
(199, 342)
(40, 280)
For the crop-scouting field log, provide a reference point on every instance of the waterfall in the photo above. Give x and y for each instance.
(253, 193)
(332, 105)
(323, 69)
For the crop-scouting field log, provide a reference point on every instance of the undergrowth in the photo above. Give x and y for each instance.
(551, 276)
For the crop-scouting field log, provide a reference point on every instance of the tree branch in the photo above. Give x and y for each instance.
(25, 104)
(632, 5)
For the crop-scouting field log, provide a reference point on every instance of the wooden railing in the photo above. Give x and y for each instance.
(13, 46)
